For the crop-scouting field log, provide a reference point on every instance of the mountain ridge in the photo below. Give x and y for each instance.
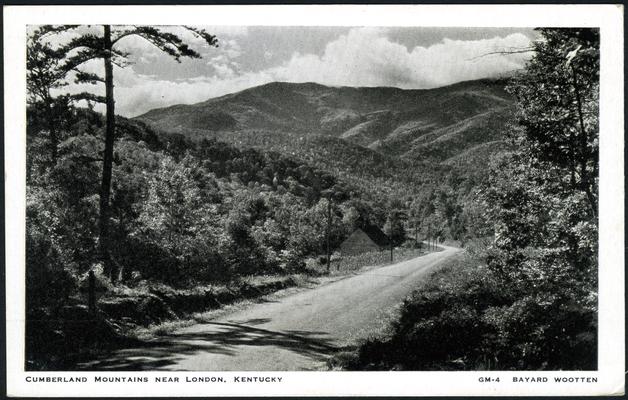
(385, 119)
(386, 140)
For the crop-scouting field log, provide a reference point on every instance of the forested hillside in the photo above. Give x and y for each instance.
(423, 150)
(337, 111)
(392, 121)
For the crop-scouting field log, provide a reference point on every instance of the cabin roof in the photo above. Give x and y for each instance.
(376, 235)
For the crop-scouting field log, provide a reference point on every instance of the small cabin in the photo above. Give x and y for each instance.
(364, 240)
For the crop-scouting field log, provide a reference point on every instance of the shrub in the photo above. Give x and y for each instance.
(48, 282)
(463, 317)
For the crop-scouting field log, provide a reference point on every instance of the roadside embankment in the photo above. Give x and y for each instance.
(61, 335)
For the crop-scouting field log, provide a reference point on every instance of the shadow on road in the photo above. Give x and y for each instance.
(225, 338)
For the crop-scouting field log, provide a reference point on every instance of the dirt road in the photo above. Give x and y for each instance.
(297, 332)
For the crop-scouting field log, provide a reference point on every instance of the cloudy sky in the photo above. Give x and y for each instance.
(412, 58)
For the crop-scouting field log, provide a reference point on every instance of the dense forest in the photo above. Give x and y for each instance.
(134, 203)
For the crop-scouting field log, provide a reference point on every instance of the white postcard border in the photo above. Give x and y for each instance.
(610, 376)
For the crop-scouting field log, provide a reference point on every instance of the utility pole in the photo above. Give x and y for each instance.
(390, 233)
(416, 234)
(429, 233)
(328, 233)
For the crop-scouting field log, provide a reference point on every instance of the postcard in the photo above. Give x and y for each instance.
(314, 200)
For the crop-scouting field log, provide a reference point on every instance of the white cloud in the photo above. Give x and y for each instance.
(362, 57)
(150, 94)
(366, 57)
(232, 48)
(224, 71)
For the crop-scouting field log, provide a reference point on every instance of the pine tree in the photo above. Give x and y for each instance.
(91, 46)
(44, 74)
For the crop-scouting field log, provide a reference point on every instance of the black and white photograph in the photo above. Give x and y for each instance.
(249, 197)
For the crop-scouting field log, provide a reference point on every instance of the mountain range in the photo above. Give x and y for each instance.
(386, 134)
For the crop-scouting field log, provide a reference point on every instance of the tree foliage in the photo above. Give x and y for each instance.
(558, 97)
(543, 196)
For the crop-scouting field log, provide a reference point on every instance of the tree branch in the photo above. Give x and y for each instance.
(505, 52)
(85, 158)
(47, 30)
(211, 40)
(167, 42)
(88, 97)
(87, 77)
(81, 57)
(87, 40)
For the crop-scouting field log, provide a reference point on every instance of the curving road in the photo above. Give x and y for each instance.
(297, 332)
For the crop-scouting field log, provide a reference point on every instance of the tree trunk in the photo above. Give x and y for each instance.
(54, 143)
(584, 174)
(91, 295)
(105, 187)
(54, 139)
